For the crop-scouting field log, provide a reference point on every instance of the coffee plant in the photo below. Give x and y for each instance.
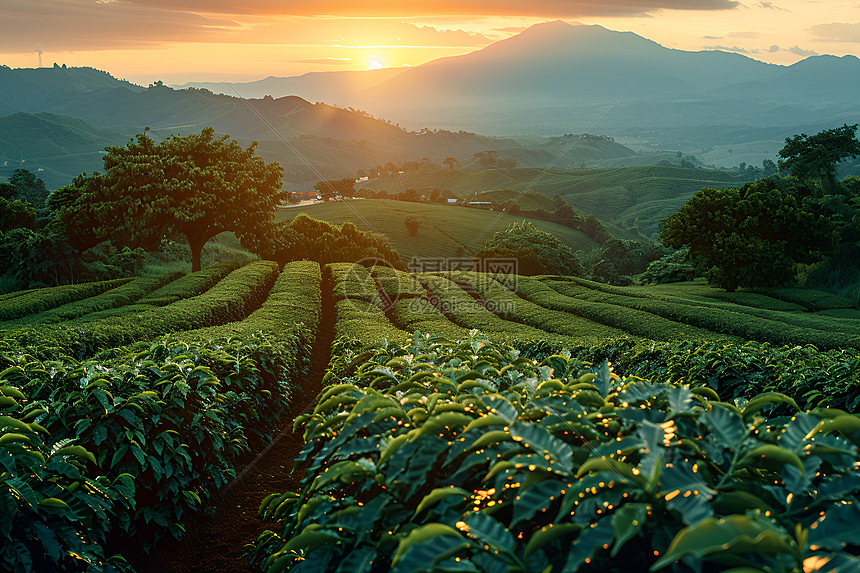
(441, 456)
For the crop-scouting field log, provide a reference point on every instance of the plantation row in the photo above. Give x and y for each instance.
(469, 457)
(127, 443)
(172, 378)
(538, 318)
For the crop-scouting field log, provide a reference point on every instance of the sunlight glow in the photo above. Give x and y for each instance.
(375, 63)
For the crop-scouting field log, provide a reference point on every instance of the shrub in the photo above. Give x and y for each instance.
(536, 252)
(671, 268)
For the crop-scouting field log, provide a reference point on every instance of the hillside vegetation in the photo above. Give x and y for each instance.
(634, 197)
(139, 438)
(443, 231)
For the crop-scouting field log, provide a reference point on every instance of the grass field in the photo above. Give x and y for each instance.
(629, 197)
(443, 231)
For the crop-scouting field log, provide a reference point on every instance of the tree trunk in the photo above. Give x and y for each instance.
(196, 243)
(196, 251)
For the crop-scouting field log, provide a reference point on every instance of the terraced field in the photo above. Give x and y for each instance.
(170, 385)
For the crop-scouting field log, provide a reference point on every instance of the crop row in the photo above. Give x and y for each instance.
(115, 299)
(39, 300)
(358, 306)
(812, 377)
(786, 328)
(188, 286)
(163, 424)
(412, 314)
(510, 306)
(470, 457)
(232, 299)
(755, 304)
(631, 321)
(395, 284)
(462, 309)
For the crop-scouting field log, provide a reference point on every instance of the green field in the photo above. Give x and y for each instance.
(629, 197)
(161, 386)
(444, 230)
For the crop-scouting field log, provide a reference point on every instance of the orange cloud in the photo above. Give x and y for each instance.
(534, 8)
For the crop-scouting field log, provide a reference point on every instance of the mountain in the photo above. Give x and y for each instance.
(556, 77)
(64, 125)
(331, 87)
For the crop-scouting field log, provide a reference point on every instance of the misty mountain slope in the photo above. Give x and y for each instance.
(558, 78)
(55, 147)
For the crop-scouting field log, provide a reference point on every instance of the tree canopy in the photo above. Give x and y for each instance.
(816, 156)
(330, 189)
(306, 238)
(752, 236)
(537, 252)
(196, 186)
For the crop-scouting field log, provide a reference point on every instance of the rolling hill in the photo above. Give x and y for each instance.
(629, 198)
(444, 231)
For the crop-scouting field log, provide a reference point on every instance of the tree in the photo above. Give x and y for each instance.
(195, 186)
(537, 252)
(810, 157)
(412, 224)
(332, 188)
(450, 162)
(753, 236)
(31, 187)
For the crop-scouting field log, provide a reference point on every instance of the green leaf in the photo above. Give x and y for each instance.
(548, 534)
(77, 451)
(627, 521)
(771, 457)
(422, 535)
(736, 534)
(767, 399)
(438, 494)
(488, 531)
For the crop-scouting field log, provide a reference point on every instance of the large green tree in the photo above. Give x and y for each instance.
(815, 157)
(195, 186)
(753, 236)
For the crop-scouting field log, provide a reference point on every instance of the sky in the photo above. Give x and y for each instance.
(178, 41)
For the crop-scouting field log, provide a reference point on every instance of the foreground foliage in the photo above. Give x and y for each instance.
(470, 457)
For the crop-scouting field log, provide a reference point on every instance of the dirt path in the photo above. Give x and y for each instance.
(217, 543)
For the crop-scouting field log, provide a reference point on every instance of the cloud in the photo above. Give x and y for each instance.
(837, 32)
(736, 49)
(82, 25)
(797, 50)
(370, 8)
(430, 36)
(771, 6)
(712, 37)
(321, 61)
(68, 25)
(773, 48)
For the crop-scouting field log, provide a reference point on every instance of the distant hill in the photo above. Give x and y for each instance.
(555, 78)
(55, 147)
(443, 230)
(631, 198)
(311, 141)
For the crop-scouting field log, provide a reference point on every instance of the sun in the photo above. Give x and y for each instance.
(375, 63)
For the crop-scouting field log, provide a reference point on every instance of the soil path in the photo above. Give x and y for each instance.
(217, 543)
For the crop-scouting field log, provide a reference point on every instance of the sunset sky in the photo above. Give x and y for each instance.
(227, 40)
